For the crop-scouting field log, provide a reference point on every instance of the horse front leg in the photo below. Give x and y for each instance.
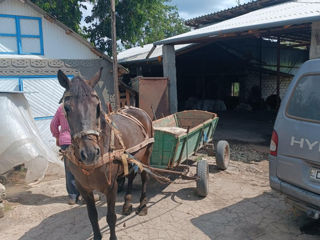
(127, 206)
(142, 209)
(111, 214)
(92, 211)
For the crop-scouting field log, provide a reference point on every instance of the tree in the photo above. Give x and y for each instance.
(139, 22)
(66, 11)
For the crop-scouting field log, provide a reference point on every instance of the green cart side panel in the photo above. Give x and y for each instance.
(163, 149)
(194, 141)
(168, 148)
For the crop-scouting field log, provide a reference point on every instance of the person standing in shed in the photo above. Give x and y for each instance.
(60, 130)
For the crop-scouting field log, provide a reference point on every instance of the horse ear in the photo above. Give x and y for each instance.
(93, 81)
(63, 80)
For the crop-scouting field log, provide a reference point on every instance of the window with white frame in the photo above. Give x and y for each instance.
(21, 35)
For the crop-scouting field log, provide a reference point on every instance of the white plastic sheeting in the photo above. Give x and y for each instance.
(44, 93)
(20, 141)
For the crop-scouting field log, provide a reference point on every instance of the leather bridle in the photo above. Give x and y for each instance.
(91, 132)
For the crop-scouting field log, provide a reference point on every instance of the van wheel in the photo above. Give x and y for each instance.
(223, 155)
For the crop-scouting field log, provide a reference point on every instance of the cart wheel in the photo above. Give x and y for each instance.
(223, 155)
(203, 181)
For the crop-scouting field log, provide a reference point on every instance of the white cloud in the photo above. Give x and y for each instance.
(187, 8)
(195, 8)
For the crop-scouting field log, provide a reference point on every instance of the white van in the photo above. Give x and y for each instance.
(295, 144)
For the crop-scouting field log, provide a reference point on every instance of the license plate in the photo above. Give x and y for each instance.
(315, 174)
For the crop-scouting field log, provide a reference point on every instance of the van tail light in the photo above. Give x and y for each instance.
(274, 144)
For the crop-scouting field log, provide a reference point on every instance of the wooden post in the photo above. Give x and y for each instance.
(114, 54)
(314, 51)
(169, 71)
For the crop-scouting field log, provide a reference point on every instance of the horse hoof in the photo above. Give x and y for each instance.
(127, 210)
(97, 237)
(142, 211)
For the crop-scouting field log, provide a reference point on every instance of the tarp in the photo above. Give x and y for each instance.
(20, 141)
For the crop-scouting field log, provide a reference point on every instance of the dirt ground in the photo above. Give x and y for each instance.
(240, 206)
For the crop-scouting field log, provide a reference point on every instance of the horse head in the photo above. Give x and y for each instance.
(82, 108)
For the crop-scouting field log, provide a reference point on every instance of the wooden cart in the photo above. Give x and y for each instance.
(180, 135)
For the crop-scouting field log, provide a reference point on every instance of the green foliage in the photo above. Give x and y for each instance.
(66, 11)
(138, 22)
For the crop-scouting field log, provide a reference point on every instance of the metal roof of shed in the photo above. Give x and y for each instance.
(284, 14)
(231, 12)
(137, 54)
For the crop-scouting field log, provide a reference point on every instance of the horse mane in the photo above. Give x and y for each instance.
(80, 89)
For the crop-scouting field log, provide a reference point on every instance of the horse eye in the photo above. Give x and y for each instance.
(67, 108)
(98, 111)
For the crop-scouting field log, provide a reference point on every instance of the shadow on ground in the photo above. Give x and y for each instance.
(29, 198)
(253, 127)
(262, 217)
(74, 223)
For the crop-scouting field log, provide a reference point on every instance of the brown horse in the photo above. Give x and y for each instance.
(91, 133)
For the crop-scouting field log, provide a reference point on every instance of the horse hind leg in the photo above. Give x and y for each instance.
(127, 206)
(92, 212)
(111, 214)
(142, 209)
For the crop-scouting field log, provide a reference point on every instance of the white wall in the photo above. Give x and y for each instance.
(57, 44)
(269, 84)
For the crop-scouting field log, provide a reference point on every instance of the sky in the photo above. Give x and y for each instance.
(194, 8)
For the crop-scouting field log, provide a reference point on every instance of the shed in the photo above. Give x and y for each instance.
(254, 49)
(33, 47)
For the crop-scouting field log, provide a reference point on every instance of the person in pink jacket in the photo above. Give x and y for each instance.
(60, 130)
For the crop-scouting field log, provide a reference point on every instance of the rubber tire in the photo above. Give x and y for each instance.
(1, 210)
(203, 181)
(223, 155)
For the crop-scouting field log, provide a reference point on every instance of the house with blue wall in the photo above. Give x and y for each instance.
(33, 47)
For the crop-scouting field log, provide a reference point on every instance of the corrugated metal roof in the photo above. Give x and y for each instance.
(231, 12)
(140, 53)
(293, 12)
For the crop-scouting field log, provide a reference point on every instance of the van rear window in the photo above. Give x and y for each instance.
(305, 100)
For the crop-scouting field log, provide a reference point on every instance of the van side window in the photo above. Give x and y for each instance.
(305, 100)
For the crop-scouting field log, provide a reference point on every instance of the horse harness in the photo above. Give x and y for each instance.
(117, 148)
